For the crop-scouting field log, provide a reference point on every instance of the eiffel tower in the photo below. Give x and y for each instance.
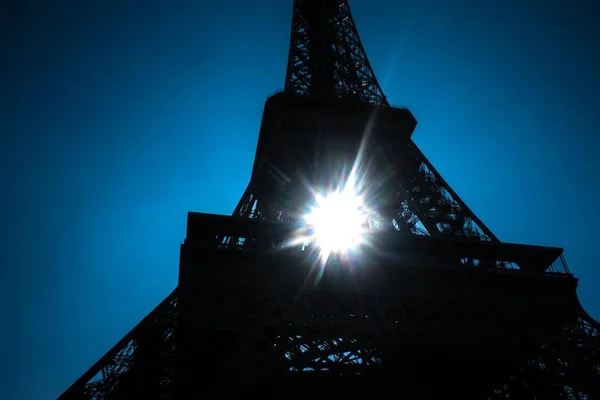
(431, 305)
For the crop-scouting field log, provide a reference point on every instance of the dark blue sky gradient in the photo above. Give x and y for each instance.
(119, 117)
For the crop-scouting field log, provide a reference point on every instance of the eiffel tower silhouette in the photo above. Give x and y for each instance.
(433, 305)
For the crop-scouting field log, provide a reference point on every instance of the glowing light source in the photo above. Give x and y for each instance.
(338, 222)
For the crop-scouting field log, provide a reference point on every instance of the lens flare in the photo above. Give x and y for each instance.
(337, 222)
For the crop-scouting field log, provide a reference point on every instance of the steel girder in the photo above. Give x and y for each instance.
(326, 56)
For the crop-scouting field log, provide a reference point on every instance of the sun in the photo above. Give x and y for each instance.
(337, 222)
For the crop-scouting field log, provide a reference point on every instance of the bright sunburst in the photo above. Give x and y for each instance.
(337, 222)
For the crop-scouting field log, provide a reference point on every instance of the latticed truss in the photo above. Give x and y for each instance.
(342, 333)
(566, 366)
(283, 329)
(326, 30)
(443, 210)
(326, 332)
(139, 366)
(424, 205)
(327, 59)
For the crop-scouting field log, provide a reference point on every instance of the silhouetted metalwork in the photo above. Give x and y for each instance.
(436, 305)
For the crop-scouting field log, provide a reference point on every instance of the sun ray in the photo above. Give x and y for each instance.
(337, 222)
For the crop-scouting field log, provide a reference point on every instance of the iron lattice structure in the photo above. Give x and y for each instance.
(437, 305)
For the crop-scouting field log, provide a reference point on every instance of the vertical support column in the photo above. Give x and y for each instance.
(321, 33)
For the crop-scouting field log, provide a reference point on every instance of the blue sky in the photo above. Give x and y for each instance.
(118, 118)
